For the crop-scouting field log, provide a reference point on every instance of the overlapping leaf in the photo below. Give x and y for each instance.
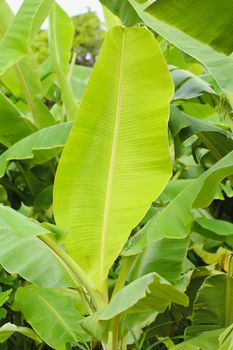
(22, 79)
(122, 9)
(211, 307)
(166, 257)
(38, 147)
(204, 341)
(188, 85)
(218, 141)
(182, 24)
(24, 253)
(176, 219)
(15, 44)
(148, 295)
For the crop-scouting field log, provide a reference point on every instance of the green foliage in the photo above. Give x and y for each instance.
(124, 239)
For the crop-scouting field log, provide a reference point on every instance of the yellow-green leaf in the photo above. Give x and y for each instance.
(116, 161)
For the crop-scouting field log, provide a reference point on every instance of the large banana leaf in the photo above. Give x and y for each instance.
(38, 147)
(53, 314)
(182, 24)
(194, 19)
(116, 160)
(15, 44)
(148, 295)
(176, 219)
(24, 253)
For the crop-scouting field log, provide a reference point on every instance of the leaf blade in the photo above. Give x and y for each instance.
(104, 147)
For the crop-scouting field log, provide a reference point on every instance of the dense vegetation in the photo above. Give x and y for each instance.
(124, 239)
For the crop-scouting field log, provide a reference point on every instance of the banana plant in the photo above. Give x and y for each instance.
(87, 282)
(117, 151)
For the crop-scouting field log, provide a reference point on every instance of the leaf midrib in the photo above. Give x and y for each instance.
(112, 164)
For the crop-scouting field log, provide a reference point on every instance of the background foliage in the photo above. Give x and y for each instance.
(186, 236)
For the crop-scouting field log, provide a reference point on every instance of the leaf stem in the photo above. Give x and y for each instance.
(115, 332)
(76, 270)
(115, 324)
(127, 263)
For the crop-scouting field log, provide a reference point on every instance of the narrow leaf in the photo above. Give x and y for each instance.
(23, 79)
(61, 31)
(15, 44)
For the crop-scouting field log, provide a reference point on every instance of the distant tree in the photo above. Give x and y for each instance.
(88, 38)
(40, 46)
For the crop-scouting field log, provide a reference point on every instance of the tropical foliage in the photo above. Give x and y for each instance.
(116, 226)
